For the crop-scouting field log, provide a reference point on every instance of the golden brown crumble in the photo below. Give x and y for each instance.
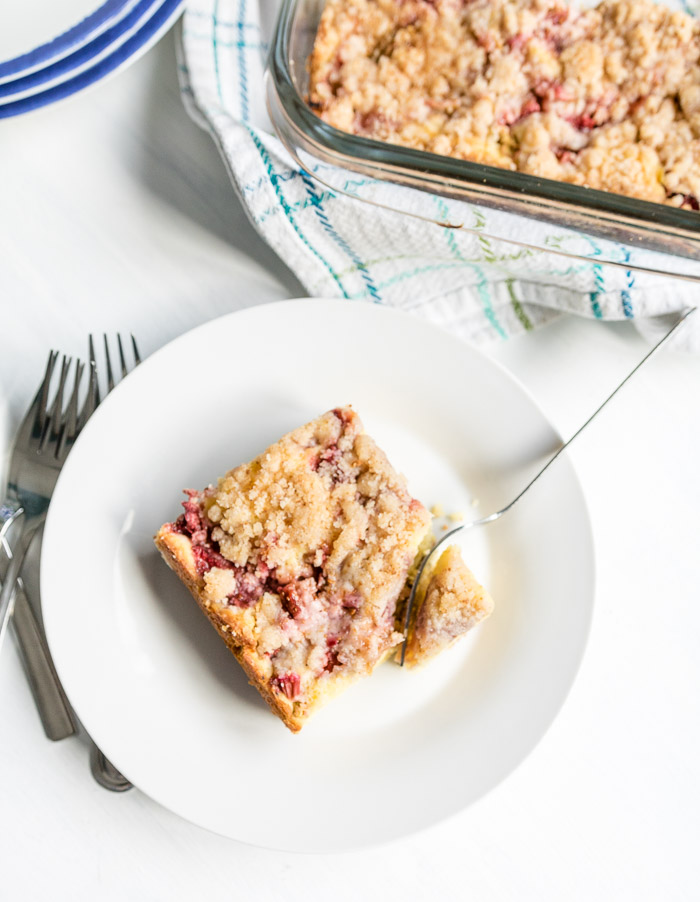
(607, 98)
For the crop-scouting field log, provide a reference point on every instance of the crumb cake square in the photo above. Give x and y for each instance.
(298, 558)
(453, 603)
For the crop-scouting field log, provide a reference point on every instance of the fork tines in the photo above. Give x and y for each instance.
(42, 398)
(54, 426)
(50, 422)
(47, 424)
(108, 359)
(69, 431)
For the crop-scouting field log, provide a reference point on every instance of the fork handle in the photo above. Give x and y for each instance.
(51, 702)
(105, 773)
(7, 593)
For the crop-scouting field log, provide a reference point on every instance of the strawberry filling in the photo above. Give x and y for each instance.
(332, 657)
(250, 581)
(297, 595)
(288, 684)
(206, 557)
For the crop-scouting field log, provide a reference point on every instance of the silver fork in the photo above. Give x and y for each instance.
(53, 706)
(43, 441)
(45, 437)
(102, 769)
(51, 702)
(504, 510)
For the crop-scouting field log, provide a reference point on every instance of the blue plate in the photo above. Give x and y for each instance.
(163, 17)
(64, 43)
(82, 56)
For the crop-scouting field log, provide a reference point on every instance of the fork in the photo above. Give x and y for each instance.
(43, 441)
(104, 772)
(45, 436)
(504, 510)
(53, 706)
(51, 702)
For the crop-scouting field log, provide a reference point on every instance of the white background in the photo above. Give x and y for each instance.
(116, 214)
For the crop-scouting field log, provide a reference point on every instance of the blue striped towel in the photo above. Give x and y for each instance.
(337, 246)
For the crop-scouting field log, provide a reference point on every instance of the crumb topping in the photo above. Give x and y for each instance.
(607, 98)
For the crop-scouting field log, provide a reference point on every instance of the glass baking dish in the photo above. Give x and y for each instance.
(311, 141)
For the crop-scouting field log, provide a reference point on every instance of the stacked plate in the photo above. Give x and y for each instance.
(50, 50)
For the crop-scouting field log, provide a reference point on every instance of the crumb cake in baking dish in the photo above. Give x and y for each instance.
(606, 98)
(298, 558)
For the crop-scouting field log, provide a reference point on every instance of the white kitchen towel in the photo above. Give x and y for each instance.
(476, 286)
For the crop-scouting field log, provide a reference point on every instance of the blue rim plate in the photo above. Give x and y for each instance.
(80, 59)
(78, 34)
(160, 21)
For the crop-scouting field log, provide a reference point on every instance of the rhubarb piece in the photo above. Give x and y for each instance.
(298, 557)
(453, 604)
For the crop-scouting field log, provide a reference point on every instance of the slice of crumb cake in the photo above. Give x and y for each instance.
(454, 603)
(298, 558)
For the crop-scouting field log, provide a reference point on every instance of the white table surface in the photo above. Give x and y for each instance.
(116, 214)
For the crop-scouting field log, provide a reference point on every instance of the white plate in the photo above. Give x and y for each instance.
(158, 690)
